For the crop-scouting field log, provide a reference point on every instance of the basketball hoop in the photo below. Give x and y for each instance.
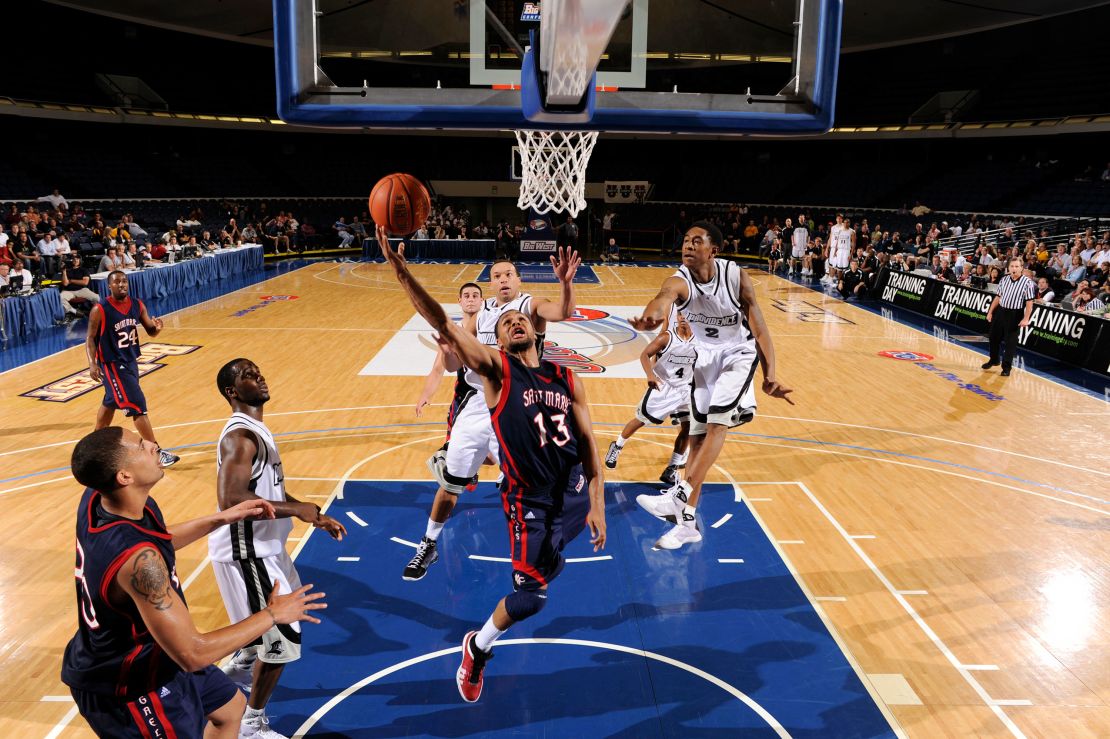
(553, 170)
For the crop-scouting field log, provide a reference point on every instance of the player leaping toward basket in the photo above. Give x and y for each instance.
(552, 486)
(668, 362)
(718, 300)
(472, 438)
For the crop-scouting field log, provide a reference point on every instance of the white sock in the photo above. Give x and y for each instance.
(251, 713)
(688, 518)
(678, 459)
(433, 529)
(488, 635)
(621, 441)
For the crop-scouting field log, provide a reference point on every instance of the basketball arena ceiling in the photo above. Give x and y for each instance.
(867, 23)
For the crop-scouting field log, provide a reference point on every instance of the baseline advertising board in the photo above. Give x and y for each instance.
(1071, 337)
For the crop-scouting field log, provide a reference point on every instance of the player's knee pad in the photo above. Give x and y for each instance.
(521, 604)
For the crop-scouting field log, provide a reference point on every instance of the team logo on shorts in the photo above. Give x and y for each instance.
(79, 383)
(906, 356)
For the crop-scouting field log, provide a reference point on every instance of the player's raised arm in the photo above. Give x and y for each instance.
(591, 466)
(187, 532)
(482, 359)
(673, 291)
(762, 336)
(564, 268)
(145, 579)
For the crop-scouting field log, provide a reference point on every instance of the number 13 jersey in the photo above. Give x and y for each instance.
(713, 309)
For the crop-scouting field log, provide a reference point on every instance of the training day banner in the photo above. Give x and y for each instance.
(1071, 337)
(627, 191)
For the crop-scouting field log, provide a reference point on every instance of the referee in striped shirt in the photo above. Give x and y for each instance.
(1012, 306)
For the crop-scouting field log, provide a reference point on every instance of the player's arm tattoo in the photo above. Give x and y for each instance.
(150, 579)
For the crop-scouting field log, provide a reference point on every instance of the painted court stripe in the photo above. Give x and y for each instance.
(790, 541)
(724, 519)
(979, 668)
(351, 515)
(57, 699)
(484, 558)
(731, 561)
(347, 559)
(831, 598)
(863, 536)
(1010, 702)
(760, 500)
(913, 592)
(402, 541)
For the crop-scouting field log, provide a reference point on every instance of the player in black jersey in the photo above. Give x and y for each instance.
(137, 666)
(112, 350)
(553, 485)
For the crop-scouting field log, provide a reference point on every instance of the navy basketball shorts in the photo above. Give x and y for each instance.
(540, 526)
(180, 707)
(121, 388)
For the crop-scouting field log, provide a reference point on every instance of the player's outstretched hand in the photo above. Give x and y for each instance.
(335, 529)
(420, 407)
(296, 606)
(395, 258)
(257, 508)
(566, 265)
(595, 520)
(158, 324)
(777, 390)
(653, 383)
(95, 373)
(645, 323)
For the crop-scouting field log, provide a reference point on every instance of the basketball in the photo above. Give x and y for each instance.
(400, 203)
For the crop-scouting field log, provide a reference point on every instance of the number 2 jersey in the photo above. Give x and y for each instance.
(536, 429)
(713, 309)
(113, 652)
(118, 342)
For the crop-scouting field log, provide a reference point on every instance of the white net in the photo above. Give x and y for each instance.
(553, 170)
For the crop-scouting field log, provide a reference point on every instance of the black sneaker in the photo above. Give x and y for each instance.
(611, 455)
(1005, 371)
(165, 459)
(988, 365)
(669, 476)
(426, 556)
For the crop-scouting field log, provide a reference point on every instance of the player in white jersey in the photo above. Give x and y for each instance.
(472, 440)
(249, 558)
(718, 300)
(799, 241)
(842, 245)
(668, 362)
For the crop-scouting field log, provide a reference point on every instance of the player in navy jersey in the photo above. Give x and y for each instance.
(553, 485)
(137, 666)
(112, 349)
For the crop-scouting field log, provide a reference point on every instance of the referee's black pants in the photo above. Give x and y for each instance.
(1004, 327)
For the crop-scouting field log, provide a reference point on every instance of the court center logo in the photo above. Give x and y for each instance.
(74, 386)
(593, 341)
(906, 356)
(264, 301)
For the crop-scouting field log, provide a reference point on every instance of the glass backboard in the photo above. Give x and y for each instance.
(684, 66)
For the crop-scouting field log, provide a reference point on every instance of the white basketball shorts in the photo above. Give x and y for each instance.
(839, 259)
(472, 439)
(670, 400)
(723, 388)
(798, 251)
(245, 586)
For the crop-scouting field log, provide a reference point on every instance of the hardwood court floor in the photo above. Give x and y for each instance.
(956, 543)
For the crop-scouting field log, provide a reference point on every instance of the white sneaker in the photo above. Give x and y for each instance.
(241, 671)
(678, 536)
(662, 505)
(258, 728)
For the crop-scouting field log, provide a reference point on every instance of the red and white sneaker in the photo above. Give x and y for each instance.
(470, 675)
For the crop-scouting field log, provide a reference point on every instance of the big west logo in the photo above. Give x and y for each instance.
(79, 383)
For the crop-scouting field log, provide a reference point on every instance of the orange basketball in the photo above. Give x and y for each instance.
(400, 203)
